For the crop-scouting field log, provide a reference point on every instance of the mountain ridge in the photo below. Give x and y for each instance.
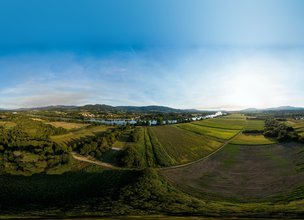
(279, 108)
(109, 108)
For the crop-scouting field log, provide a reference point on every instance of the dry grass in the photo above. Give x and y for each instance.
(38, 119)
(298, 125)
(67, 125)
(7, 124)
(74, 135)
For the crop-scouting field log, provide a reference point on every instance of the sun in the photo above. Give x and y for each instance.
(251, 86)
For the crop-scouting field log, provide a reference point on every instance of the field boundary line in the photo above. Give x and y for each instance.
(203, 158)
(209, 126)
(110, 166)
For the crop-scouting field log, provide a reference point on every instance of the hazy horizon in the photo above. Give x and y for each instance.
(193, 54)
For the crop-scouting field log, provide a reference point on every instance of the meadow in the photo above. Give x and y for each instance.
(73, 135)
(7, 124)
(252, 139)
(257, 125)
(298, 125)
(230, 123)
(218, 133)
(209, 167)
(67, 125)
(240, 173)
(184, 146)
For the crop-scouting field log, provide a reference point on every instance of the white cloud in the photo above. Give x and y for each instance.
(201, 78)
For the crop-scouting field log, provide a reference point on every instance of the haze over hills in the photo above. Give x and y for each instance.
(280, 108)
(142, 109)
(109, 108)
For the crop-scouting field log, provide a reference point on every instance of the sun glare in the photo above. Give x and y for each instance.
(251, 86)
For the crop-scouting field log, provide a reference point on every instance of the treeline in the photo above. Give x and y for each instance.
(280, 114)
(144, 150)
(27, 149)
(132, 155)
(253, 131)
(279, 130)
(37, 129)
(97, 145)
(21, 154)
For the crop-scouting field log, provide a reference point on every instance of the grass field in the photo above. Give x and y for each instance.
(224, 123)
(67, 125)
(251, 176)
(298, 125)
(7, 124)
(252, 139)
(245, 174)
(74, 135)
(254, 125)
(184, 146)
(218, 133)
(234, 116)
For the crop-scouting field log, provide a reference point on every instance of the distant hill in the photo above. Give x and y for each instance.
(280, 108)
(109, 108)
(250, 110)
(97, 108)
(285, 108)
(153, 108)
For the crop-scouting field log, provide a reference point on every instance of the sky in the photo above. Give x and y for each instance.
(219, 54)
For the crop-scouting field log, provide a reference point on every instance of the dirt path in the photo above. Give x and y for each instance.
(92, 161)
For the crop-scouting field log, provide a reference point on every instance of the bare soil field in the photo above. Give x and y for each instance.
(245, 174)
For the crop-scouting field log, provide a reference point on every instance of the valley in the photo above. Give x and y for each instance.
(232, 165)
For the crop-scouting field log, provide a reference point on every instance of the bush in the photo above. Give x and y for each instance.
(131, 157)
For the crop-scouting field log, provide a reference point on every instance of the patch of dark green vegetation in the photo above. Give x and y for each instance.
(144, 150)
(96, 192)
(39, 178)
(25, 148)
(97, 145)
(276, 129)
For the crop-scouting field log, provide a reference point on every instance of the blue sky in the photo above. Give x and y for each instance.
(220, 54)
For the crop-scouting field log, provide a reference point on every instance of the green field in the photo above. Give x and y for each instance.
(184, 146)
(298, 125)
(67, 125)
(245, 174)
(234, 116)
(252, 139)
(225, 123)
(257, 125)
(169, 145)
(202, 168)
(75, 135)
(218, 133)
